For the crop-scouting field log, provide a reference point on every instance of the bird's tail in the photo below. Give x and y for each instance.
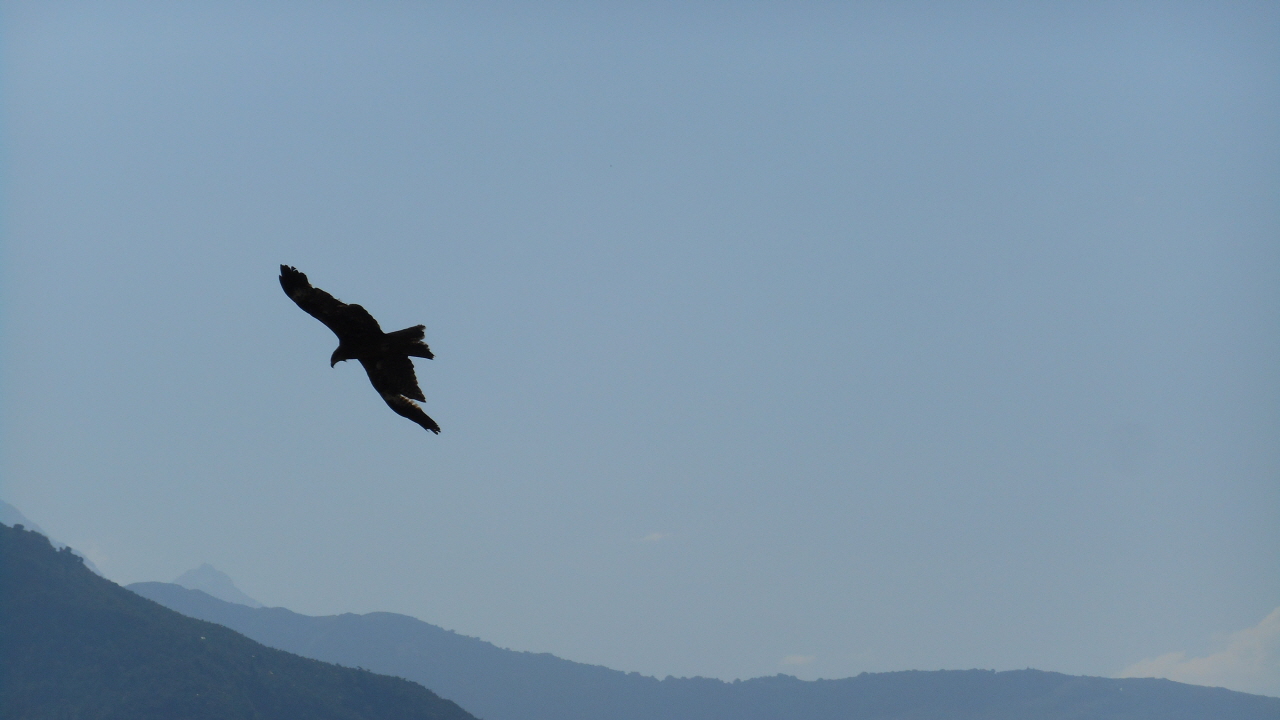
(409, 341)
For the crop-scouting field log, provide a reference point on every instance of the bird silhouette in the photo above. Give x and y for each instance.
(385, 356)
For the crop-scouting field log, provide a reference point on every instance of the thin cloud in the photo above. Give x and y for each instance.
(1250, 662)
(654, 537)
(798, 659)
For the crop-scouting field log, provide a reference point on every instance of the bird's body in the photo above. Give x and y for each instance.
(385, 356)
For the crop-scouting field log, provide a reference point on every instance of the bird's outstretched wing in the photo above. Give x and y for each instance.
(344, 320)
(393, 374)
(395, 381)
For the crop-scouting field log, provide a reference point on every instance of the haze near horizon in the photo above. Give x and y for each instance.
(814, 340)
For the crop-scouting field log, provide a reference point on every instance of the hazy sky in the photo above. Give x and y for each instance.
(772, 337)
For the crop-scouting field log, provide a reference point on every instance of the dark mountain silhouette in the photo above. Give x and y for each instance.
(499, 684)
(75, 645)
(10, 515)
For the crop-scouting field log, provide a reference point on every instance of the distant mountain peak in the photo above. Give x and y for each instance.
(213, 581)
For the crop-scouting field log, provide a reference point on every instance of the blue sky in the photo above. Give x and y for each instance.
(816, 340)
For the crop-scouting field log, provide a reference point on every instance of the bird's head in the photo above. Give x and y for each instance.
(338, 356)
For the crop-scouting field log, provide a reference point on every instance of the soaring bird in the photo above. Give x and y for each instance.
(385, 356)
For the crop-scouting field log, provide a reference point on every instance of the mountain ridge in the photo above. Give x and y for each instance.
(76, 645)
(499, 684)
(10, 515)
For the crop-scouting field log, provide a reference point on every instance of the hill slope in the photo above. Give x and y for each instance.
(10, 515)
(502, 684)
(74, 645)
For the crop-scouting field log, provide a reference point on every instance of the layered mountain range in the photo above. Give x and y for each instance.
(75, 645)
(498, 684)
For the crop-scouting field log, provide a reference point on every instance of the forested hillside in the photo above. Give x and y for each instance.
(74, 645)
